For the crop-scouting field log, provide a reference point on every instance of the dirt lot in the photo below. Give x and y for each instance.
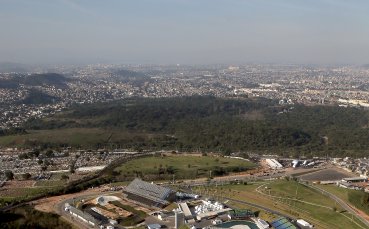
(331, 174)
(47, 204)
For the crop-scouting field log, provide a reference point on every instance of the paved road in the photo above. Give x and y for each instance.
(343, 204)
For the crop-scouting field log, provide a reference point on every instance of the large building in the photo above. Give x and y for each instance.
(149, 194)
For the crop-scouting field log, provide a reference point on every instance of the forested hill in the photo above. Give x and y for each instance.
(225, 125)
(48, 79)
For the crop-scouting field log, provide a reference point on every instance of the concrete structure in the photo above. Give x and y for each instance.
(83, 216)
(207, 215)
(354, 179)
(149, 194)
(262, 223)
(186, 211)
(303, 224)
(154, 226)
(179, 218)
(274, 164)
(295, 163)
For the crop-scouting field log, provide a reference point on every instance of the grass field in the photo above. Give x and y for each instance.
(350, 196)
(321, 217)
(184, 166)
(50, 183)
(21, 193)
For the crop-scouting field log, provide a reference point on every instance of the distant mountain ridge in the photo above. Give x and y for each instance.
(44, 79)
(50, 79)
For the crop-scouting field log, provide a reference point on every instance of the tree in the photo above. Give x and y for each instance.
(9, 175)
(72, 168)
(49, 153)
(365, 199)
(26, 176)
(64, 177)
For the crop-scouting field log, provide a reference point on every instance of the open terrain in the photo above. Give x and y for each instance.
(183, 166)
(353, 197)
(331, 174)
(290, 198)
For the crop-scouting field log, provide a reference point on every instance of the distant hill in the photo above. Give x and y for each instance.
(49, 79)
(38, 97)
(222, 125)
(45, 79)
(8, 84)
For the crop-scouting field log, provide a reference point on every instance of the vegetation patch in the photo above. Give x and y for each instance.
(27, 217)
(181, 167)
(204, 123)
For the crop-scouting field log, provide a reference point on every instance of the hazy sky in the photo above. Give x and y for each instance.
(184, 31)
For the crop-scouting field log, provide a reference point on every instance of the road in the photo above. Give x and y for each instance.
(343, 204)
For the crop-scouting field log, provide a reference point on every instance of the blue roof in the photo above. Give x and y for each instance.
(283, 223)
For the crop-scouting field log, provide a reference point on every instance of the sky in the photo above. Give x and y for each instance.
(184, 31)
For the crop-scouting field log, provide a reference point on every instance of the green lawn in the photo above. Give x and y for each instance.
(26, 192)
(319, 216)
(19, 194)
(289, 189)
(50, 183)
(183, 166)
(353, 197)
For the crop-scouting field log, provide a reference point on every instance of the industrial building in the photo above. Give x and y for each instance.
(274, 164)
(83, 216)
(149, 194)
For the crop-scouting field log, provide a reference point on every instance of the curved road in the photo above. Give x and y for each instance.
(247, 203)
(343, 204)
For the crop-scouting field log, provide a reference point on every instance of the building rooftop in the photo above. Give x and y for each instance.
(148, 190)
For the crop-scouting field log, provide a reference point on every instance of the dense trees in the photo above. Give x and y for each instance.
(224, 125)
(27, 217)
(9, 175)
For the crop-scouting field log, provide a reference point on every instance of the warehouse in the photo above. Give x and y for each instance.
(83, 216)
(274, 164)
(149, 194)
